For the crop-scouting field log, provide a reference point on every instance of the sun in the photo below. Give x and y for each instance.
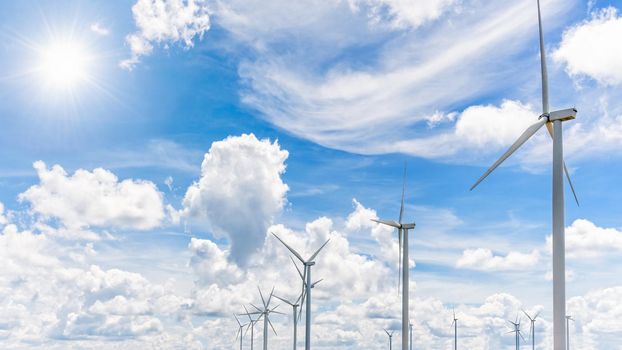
(64, 64)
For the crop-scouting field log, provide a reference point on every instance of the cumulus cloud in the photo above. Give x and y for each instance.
(165, 22)
(586, 240)
(485, 260)
(403, 14)
(240, 191)
(593, 48)
(94, 198)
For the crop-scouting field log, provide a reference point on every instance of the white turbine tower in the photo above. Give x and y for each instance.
(454, 323)
(517, 332)
(532, 329)
(307, 285)
(239, 332)
(265, 313)
(251, 325)
(390, 339)
(568, 319)
(411, 336)
(553, 122)
(402, 230)
(294, 305)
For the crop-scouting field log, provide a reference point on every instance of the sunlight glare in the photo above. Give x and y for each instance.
(64, 64)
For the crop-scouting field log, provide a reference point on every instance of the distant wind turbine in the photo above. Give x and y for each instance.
(553, 122)
(307, 285)
(265, 313)
(390, 338)
(294, 305)
(239, 332)
(517, 332)
(402, 231)
(568, 319)
(532, 328)
(455, 324)
(251, 325)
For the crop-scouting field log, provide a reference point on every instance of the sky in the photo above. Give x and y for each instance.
(150, 148)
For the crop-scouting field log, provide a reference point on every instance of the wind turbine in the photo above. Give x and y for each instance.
(455, 324)
(517, 332)
(411, 336)
(265, 313)
(307, 285)
(553, 122)
(532, 329)
(568, 319)
(402, 230)
(294, 305)
(239, 332)
(390, 338)
(251, 325)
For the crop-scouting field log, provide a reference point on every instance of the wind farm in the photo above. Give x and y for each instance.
(317, 175)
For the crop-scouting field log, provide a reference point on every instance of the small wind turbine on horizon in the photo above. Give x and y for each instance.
(390, 338)
(553, 122)
(239, 332)
(454, 323)
(532, 329)
(402, 230)
(517, 332)
(251, 325)
(306, 284)
(568, 319)
(295, 315)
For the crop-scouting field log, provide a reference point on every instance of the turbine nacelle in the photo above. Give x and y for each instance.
(562, 114)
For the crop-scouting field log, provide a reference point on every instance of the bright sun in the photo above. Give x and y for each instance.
(64, 64)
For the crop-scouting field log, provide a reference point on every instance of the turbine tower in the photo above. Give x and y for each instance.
(390, 338)
(568, 319)
(532, 329)
(402, 231)
(553, 122)
(265, 313)
(411, 336)
(455, 324)
(251, 325)
(307, 286)
(294, 305)
(517, 332)
(239, 332)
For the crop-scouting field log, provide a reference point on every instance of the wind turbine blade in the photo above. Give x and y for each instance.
(297, 269)
(403, 189)
(247, 314)
(237, 334)
(519, 142)
(316, 282)
(399, 261)
(290, 248)
(283, 300)
(262, 299)
(270, 297)
(387, 222)
(543, 72)
(549, 127)
(319, 249)
(387, 332)
(536, 316)
(271, 326)
(258, 309)
(237, 320)
(521, 335)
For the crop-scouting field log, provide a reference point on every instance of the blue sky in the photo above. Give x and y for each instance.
(286, 115)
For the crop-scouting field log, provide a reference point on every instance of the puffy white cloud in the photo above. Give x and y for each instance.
(593, 48)
(597, 317)
(483, 259)
(400, 13)
(94, 198)
(586, 240)
(164, 22)
(240, 191)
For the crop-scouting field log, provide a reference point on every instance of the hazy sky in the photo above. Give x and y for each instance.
(148, 148)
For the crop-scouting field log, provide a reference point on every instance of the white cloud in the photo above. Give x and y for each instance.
(400, 13)
(164, 22)
(593, 48)
(99, 29)
(586, 240)
(240, 191)
(483, 259)
(94, 198)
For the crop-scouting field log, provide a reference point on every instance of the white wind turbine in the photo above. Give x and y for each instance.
(390, 338)
(402, 230)
(517, 332)
(251, 325)
(553, 122)
(265, 313)
(532, 328)
(454, 323)
(239, 332)
(307, 286)
(294, 304)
